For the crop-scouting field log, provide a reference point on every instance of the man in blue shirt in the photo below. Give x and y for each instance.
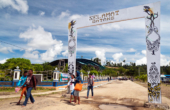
(21, 83)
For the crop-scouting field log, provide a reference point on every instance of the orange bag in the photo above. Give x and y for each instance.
(78, 87)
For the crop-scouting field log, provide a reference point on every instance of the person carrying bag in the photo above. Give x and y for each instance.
(78, 87)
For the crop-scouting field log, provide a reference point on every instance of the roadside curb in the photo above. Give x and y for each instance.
(46, 93)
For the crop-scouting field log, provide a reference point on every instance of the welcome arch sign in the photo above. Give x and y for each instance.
(151, 13)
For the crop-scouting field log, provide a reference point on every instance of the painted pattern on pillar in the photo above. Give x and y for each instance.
(152, 45)
(154, 92)
(72, 40)
(154, 89)
(70, 68)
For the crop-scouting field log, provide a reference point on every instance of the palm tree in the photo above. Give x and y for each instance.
(97, 60)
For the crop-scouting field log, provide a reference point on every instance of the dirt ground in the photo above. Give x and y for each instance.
(125, 93)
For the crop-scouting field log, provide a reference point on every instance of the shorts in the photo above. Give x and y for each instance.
(76, 93)
(72, 92)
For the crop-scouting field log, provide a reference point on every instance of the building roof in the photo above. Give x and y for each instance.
(79, 61)
(165, 76)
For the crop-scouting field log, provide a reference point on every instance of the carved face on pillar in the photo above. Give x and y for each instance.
(153, 74)
(70, 68)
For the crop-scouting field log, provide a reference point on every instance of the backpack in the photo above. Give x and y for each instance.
(36, 81)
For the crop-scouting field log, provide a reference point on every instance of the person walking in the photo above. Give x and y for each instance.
(90, 85)
(76, 93)
(108, 79)
(30, 83)
(20, 83)
(71, 84)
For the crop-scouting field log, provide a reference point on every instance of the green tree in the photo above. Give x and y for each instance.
(109, 71)
(94, 71)
(12, 63)
(121, 70)
(97, 60)
(85, 68)
(84, 72)
(47, 66)
(38, 67)
(66, 68)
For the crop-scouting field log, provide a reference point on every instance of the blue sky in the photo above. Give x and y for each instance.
(39, 29)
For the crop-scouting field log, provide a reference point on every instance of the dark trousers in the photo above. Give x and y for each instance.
(29, 95)
(89, 87)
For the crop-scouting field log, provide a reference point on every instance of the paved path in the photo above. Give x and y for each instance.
(125, 93)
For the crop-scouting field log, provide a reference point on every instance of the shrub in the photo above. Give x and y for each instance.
(143, 77)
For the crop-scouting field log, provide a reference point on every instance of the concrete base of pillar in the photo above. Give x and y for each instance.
(157, 106)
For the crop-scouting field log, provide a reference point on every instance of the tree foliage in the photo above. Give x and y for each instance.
(84, 72)
(109, 71)
(66, 68)
(121, 70)
(95, 72)
(14, 62)
(142, 77)
(47, 66)
(38, 67)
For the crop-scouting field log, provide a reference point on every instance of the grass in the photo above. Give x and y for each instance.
(11, 90)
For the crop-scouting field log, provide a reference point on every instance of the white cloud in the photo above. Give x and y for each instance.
(64, 14)
(165, 60)
(75, 16)
(131, 50)
(5, 49)
(101, 55)
(19, 5)
(3, 61)
(144, 52)
(31, 55)
(87, 48)
(112, 61)
(41, 13)
(38, 38)
(65, 53)
(117, 56)
(141, 61)
(52, 52)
